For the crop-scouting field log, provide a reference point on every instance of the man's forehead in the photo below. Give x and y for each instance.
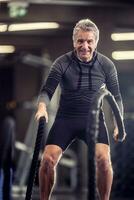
(87, 34)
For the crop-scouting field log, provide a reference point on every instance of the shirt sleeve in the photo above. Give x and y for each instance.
(51, 83)
(112, 83)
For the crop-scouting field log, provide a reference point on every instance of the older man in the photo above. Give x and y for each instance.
(80, 73)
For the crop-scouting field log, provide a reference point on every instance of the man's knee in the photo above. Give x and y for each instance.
(103, 158)
(104, 163)
(50, 158)
(47, 163)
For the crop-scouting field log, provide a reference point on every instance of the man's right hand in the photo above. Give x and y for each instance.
(41, 111)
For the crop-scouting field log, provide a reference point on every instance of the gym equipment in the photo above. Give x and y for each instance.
(92, 133)
(40, 133)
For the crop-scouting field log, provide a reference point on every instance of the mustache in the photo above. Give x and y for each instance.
(85, 50)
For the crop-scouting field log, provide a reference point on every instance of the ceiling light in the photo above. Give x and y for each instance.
(7, 49)
(3, 27)
(17, 8)
(123, 55)
(33, 26)
(122, 36)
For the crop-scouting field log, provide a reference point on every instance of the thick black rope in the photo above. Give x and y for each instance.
(33, 169)
(92, 133)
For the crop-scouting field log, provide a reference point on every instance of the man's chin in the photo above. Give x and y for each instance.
(86, 58)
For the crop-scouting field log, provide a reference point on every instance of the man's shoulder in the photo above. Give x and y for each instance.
(62, 62)
(103, 59)
(66, 57)
(106, 63)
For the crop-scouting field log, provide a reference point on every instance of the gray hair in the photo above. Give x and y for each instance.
(86, 25)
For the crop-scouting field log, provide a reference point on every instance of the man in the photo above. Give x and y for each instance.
(80, 73)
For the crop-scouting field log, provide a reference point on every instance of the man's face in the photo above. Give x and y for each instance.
(85, 45)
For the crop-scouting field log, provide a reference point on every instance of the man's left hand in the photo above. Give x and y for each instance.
(116, 135)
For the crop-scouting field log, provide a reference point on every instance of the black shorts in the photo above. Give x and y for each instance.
(65, 130)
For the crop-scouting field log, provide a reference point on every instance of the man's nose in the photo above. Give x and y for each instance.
(85, 45)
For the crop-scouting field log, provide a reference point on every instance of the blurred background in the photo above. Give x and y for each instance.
(33, 34)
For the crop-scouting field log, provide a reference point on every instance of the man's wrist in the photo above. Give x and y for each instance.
(42, 105)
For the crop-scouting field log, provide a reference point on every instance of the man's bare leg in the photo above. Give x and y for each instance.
(104, 171)
(47, 172)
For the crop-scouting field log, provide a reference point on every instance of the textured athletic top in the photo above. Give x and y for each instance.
(80, 82)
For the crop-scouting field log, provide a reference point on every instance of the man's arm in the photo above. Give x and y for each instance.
(48, 90)
(113, 86)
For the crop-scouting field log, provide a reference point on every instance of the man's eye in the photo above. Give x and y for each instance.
(90, 42)
(80, 41)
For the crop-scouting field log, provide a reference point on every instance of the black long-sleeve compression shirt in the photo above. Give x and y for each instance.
(80, 82)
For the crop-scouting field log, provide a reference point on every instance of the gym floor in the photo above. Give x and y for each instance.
(67, 197)
(59, 195)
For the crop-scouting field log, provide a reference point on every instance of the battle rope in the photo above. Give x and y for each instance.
(92, 133)
(33, 169)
